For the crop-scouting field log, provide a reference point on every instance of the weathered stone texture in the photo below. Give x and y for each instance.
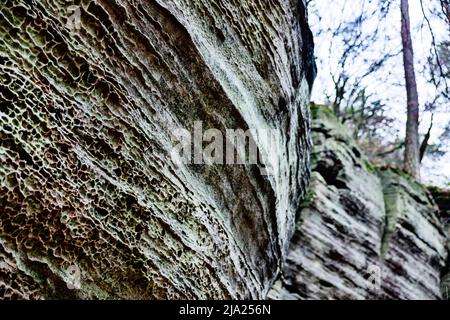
(86, 177)
(442, 198)
(364, 233)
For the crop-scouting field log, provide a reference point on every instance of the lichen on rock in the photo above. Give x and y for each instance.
(91, 92)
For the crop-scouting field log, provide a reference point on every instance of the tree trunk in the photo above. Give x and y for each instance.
(412, 124)
(426, 139)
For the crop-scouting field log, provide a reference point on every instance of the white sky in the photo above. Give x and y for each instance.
(387, 83)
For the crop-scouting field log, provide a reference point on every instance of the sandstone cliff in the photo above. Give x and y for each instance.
(363, 232)
(93, 205)
(442, 198)
(91, 93)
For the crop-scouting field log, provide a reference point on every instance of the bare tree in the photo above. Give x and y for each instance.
(412, 154)
(360, 76)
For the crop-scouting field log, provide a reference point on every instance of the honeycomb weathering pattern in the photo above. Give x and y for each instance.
(90, 93)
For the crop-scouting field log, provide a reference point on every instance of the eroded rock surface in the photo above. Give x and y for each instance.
(363, 233)
(90, 94)
(442, 198)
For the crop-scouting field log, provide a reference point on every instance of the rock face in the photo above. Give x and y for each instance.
(363, 233)
(442, 198)
(92, 204)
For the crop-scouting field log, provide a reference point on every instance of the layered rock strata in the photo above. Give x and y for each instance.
(92, 203)
(364, 232)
